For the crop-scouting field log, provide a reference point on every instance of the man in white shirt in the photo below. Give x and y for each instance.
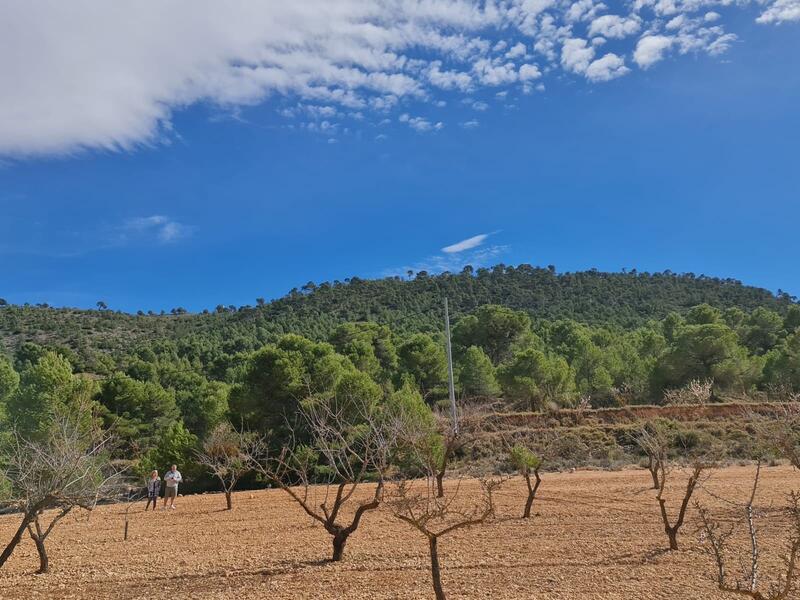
(171, 479)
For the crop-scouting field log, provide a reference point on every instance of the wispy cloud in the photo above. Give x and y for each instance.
(455, 257)
(466, 244)
(67, 243)
(159, 227)
(454, 262)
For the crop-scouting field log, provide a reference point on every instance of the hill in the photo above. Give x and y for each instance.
(625, 300)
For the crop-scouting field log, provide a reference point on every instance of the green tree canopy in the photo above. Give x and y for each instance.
(425, 361)
(369, 347)
(493, 329)
(279, 376)
(45, 387)
(762, 331)
(708, 351)
(137, 411)
(476, 374)
(534, 378)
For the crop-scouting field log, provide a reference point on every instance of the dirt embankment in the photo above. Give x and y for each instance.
(629, 414)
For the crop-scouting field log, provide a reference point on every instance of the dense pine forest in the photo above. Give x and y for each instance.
(410, 305)
(529, 337)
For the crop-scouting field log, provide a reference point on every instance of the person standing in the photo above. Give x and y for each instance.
(153, 489)
(171, 480)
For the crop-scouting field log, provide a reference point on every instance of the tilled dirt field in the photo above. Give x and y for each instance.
(594, 535)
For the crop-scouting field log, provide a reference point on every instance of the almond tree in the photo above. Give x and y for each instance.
(226, 454)
(672, 528)
(526, 462)
(440, 449)
(68, 468)
(654, 440)
(418, 504)
(785, 433)
(351, 442)
(716, 537)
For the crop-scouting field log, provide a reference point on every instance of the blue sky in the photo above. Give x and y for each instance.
(155, 183)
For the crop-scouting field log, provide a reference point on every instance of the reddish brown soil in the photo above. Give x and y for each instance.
(738, 411)
(595, 535)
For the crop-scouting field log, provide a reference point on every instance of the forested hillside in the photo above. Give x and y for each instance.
(405, 305)
(528, 338)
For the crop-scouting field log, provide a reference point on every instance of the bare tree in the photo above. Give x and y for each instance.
(697, 391)
(716, 538)
(526, 462)
(672, 529)
(226, 454)
(784, 432)
(447, 441)
(419, 504)
(441, 454)
(351, 444)
(68, 468)
(654, 440)
(583, 406)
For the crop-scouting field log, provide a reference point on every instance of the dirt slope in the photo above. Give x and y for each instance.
(596, 535)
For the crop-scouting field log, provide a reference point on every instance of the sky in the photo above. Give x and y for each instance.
(189, 153)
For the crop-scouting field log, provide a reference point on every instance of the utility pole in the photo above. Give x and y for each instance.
(450, 368)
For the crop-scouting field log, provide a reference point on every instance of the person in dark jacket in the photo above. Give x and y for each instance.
(153, 489)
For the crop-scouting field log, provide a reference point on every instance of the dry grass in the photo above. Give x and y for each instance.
(595, 535)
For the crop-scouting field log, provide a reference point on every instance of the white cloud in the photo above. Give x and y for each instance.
(607, 68)
(721, 44)
(495, 72)
(676, 22)
(89, 74)
(161, 228)
(576, 55)
(517, 51)
(529, 72)
(420, 124)
(584, 10)
(614, 26)
(466, 244)
(650, 49)
(448, 80)
(781, 11)
(471, 124)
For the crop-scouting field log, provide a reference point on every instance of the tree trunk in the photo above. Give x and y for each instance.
(528, 506)
(531, 492)
(339, 541)
(228, 500)
(44, 564)
(652, 466)
(673, 538)
(435, 571)
(15, 540)
(440, 484)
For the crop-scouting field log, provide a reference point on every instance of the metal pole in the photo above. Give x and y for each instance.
(450, 368)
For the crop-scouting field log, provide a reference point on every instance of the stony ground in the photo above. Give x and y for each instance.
(595, 535)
